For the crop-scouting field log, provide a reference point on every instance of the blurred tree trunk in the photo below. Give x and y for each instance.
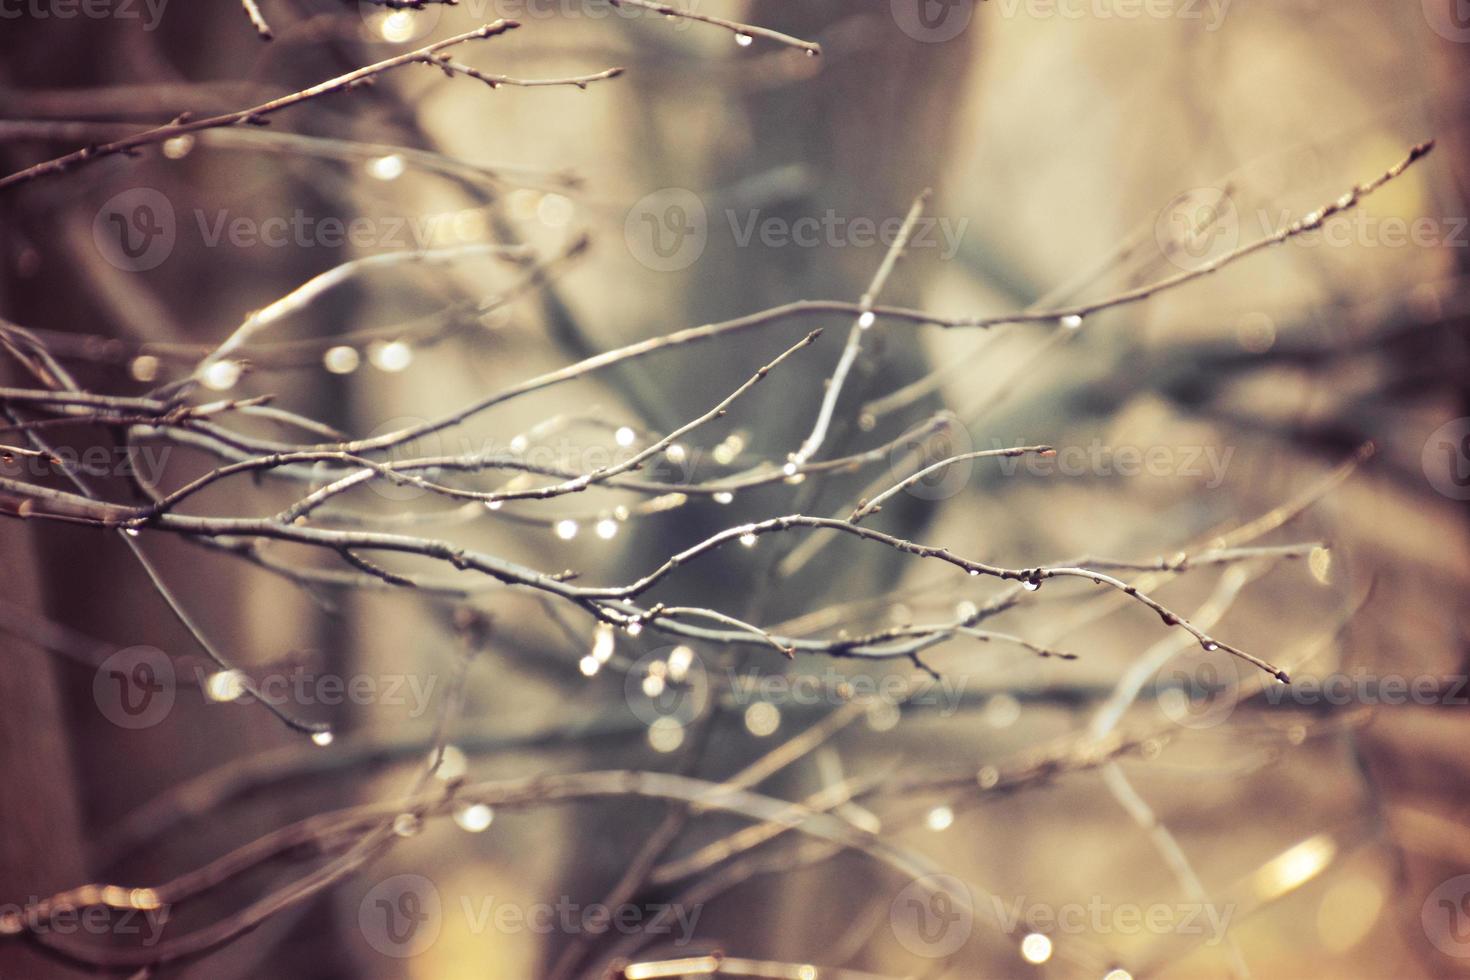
(861, 138)
(82, 773)
(41, 849)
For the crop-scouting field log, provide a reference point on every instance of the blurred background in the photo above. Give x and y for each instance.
(1100, 813)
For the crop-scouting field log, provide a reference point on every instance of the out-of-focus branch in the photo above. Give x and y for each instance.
(255, 115)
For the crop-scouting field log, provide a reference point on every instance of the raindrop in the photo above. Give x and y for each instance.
(389, 167)
(724, 497)
(743, 39)
(1036, 948)
(603, 643)
(474, 818)
(762, 719)
(221, 375)
(939, 818)
(341, 360)
(392, 357)
(397, 26)
(681, 658)
(227, 685)
(405, 825)
(145, 367)
(452, 763)
(554, 210)
(1072, 321)
(883, 716)
(566, 530)
(1002, 711)
(322, 739)
(665, 735)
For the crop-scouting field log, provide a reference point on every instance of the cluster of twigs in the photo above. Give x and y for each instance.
(369, 549)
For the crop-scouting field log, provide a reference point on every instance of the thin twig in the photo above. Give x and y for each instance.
(256, 115)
